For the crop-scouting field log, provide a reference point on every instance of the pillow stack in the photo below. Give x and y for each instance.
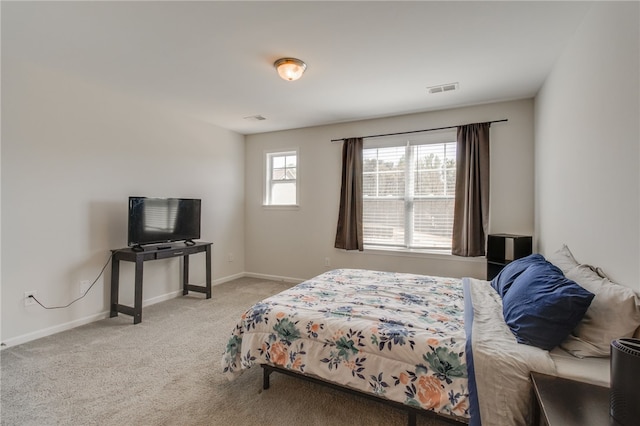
(614, 312)
(539, 304)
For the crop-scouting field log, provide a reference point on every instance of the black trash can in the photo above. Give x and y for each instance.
(624, 396)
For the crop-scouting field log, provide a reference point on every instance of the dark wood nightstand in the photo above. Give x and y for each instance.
(504, 248)
(565, 402)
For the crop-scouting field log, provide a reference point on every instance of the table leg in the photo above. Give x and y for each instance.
(137, 306)
(208, 283)
(185, 275)
(115, 283)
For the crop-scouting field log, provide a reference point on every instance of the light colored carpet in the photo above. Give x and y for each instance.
(166, 371)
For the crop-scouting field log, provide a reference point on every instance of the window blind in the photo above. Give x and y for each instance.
(408, 192)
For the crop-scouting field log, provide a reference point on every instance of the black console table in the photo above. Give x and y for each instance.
(139, 257)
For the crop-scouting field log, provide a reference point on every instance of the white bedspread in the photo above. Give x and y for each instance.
(502, 366)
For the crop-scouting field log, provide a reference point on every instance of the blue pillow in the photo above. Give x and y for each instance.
(543, 306)
(509, 273)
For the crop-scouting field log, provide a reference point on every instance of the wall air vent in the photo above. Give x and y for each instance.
(255, 118)
(442, 88)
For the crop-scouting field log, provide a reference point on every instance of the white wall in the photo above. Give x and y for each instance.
(587, 145)
(295, 243)
(72, 152)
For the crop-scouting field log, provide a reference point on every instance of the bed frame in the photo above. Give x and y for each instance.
(411, 411)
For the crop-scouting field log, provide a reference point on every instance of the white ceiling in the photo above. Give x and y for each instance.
(214, 60)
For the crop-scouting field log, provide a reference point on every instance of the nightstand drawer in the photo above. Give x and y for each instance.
(164, 254)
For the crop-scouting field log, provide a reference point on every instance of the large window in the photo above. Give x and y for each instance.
(408, 193)
(281, 179)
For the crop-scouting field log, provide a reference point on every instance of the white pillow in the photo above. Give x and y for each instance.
(613, 313)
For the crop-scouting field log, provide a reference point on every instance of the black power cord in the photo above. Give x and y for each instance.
(81, 297)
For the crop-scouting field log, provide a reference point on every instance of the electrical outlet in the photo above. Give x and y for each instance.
(84, 286)
(28, 301)
(327, 261)
(230, 257)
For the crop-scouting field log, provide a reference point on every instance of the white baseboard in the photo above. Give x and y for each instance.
(228, 278)
(274, 277)
(162, 298)
(18, 340)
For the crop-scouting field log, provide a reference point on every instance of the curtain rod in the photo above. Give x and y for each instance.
(418, 131)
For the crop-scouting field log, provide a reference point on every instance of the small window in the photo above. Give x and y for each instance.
(281, 178)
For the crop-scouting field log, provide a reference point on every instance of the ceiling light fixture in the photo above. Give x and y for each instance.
(290, 69)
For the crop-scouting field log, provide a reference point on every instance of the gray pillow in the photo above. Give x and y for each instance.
(613, 313)
(563, 259)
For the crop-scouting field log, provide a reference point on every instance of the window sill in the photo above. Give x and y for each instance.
(281, 207)
(443, 254)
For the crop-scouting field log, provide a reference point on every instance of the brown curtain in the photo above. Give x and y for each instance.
(471, 210)
(349, 235)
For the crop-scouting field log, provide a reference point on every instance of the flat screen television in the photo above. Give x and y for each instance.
(163, 220)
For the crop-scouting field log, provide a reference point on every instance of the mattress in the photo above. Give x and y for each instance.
(590, 370)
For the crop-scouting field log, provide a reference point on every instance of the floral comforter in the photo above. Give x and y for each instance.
(399, 336)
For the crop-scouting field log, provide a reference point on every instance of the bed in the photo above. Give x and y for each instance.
(433, 345)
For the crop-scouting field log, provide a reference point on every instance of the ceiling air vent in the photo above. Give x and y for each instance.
(255, 118)
(442, 88)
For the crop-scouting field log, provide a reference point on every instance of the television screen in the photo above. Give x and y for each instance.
(163, 220)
